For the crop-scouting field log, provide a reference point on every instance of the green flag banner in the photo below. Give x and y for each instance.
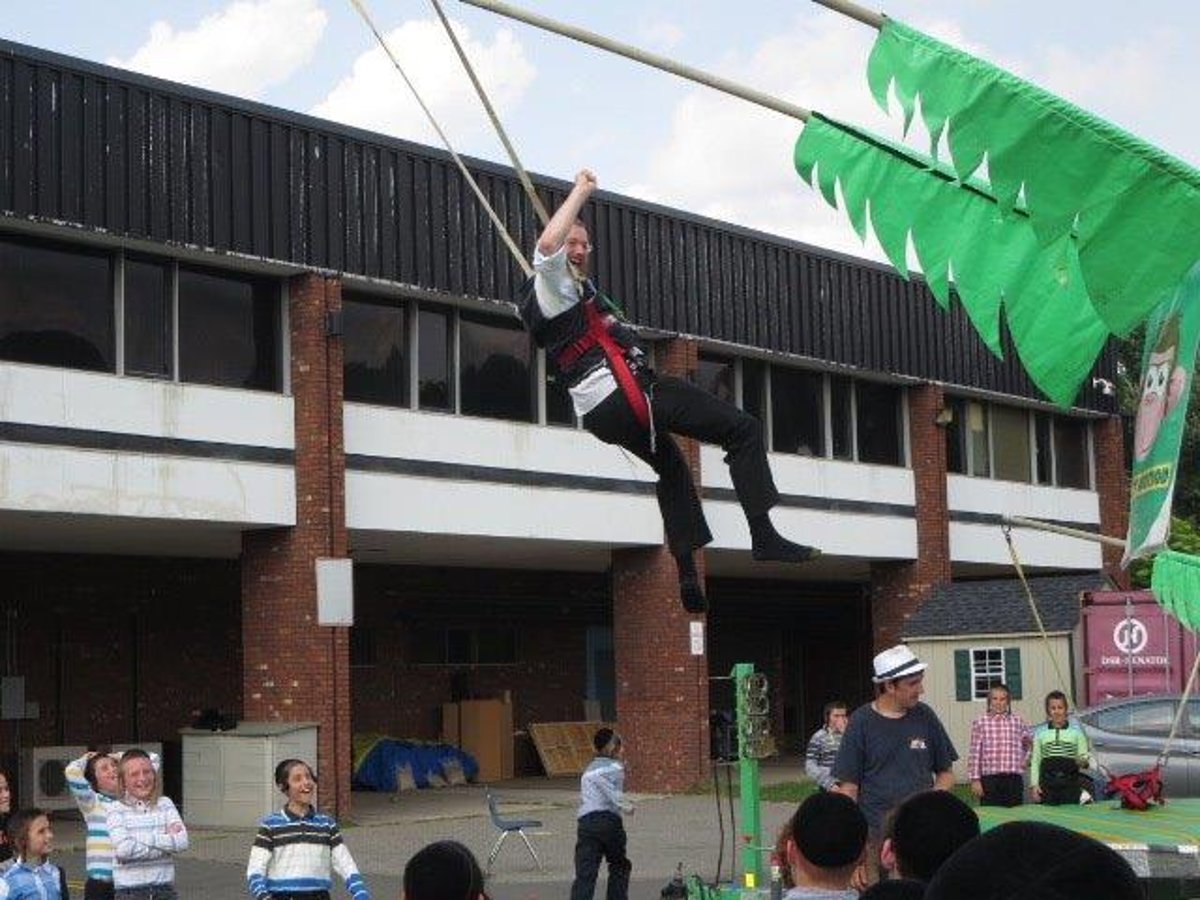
(1172, 333)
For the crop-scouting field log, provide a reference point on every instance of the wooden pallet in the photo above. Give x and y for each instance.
(565, 748)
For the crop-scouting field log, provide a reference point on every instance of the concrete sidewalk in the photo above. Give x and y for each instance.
(386, 829)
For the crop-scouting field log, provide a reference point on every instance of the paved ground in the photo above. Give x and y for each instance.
(385, 830)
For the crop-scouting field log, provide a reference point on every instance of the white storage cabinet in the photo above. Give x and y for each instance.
(228, 776)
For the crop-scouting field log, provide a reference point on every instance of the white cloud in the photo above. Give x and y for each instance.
(729, 159)
(374, 96)
(661, 35)
(244, 49)
(1137, 85)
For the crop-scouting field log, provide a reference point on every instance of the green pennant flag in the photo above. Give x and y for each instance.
(1079, 230)
(1168, 358)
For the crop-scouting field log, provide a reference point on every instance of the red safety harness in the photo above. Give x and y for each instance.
(597, 335)
(1138, 790)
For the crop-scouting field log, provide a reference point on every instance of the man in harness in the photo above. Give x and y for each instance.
(621, 401)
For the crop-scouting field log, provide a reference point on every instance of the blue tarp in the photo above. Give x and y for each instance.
(377, 768)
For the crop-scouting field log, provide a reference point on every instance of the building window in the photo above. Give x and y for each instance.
(1005, 442)
(1043, 451)
(1071, 453)
(56, 306)
(878, 418)
(797, 411)
(495, 368)
(376, 351)
(435, 352)
(560, 409)
(229, 330)
(716, 374)
(1010, 444)
(841, 416)
(148, 301)
(967, 446)
(754, 390)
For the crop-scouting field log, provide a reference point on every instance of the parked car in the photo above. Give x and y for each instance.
(1127, 735)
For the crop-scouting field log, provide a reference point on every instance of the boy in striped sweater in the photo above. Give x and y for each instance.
(296, 847)
(95, 782)
(146, 832)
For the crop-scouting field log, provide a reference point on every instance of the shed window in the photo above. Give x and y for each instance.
(978, 669)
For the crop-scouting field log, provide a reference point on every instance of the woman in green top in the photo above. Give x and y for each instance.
(1060, 750)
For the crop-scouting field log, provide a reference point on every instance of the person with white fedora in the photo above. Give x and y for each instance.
(895, 745)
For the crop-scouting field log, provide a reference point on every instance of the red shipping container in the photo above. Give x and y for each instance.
(1133, 646)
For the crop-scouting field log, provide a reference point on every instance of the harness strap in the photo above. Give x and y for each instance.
(634, 395)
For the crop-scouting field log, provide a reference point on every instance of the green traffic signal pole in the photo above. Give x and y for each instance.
(748, 782)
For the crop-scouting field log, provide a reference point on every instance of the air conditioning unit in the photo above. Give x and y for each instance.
(42, 782)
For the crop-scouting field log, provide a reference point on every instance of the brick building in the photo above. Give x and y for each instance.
(235, 340)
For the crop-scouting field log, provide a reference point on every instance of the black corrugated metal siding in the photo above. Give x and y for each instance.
(93, 146)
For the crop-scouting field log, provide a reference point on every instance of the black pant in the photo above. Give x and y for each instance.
(1059, 781)
(1007, 789)
(679, 407)
(601, 834)
(95, 889)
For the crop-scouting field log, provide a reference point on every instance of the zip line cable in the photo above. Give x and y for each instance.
(500, 227)
(1009, 521)
(1033, 608)
(487, 105)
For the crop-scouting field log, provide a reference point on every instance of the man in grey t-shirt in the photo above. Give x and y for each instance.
(894, 746)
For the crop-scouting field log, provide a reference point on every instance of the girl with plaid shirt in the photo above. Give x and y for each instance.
(999, 751)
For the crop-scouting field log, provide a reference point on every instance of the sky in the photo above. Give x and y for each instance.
(644, 132)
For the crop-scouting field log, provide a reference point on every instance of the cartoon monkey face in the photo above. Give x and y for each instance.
(1163, 383)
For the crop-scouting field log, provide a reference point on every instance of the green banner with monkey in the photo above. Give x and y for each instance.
(1168, 357)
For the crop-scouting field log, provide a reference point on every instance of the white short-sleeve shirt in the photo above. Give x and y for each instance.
(556, 292)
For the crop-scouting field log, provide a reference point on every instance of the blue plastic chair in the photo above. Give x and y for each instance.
(507, 827)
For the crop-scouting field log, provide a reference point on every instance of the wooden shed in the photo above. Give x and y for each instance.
(975, 634)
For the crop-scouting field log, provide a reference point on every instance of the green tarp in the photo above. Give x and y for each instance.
(1174, 825)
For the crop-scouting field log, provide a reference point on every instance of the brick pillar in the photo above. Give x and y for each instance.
(897, 589)
(662, 690)
(1112, 484)
(295, 670)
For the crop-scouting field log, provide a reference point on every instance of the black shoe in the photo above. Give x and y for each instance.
(692, 595)
(776, 548)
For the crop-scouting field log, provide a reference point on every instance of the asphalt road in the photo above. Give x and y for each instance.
(209, 880)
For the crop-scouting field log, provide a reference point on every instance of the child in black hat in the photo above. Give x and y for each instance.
(924, 831)
(828, 839)
(1034, 859)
